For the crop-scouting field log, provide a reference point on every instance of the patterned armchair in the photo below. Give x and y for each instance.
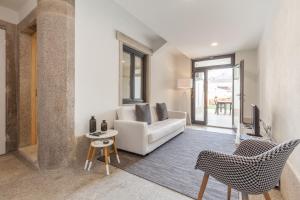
(254, 168)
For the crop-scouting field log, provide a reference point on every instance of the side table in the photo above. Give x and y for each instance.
(98, 137)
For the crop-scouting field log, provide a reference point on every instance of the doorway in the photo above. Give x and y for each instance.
(216, 94)
(33, 90)
(219, 97)
(28, 139)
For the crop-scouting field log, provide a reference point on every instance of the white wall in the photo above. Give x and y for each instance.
(183, 70)
(168, 64)
(97, 60)
(2, 92)
(279, 83)
(250, 79)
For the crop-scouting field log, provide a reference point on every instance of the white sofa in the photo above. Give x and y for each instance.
(141, 138)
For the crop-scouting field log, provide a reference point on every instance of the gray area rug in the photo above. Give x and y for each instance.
(172, 164)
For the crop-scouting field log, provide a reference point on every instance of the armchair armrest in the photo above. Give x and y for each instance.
(177, 114)
(253, 147)
(132, 135)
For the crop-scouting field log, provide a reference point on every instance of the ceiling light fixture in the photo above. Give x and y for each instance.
(214, 44)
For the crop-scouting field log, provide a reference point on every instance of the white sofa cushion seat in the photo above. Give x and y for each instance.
(160, 129)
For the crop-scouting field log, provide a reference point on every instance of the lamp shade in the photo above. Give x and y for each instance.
(185, 83)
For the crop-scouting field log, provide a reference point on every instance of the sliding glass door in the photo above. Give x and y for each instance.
(238, 94)
(216, 89)
(199, 98)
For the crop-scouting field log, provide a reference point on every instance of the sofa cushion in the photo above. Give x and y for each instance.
(142, 112)
(126, 113)
(160, 129)
(162, 111)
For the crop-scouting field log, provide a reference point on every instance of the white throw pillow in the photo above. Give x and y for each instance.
(126, 113)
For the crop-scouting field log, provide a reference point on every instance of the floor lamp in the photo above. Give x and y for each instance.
(185, 84)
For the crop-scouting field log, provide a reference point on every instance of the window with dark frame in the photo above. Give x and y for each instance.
(214, 61)
(134, 76)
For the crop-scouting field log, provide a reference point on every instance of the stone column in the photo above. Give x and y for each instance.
(56, 82)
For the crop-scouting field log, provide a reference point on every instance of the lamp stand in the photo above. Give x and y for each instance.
(188, 118)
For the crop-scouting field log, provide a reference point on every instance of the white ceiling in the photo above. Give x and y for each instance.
(192, 25)
(15, 10)
(14, 5)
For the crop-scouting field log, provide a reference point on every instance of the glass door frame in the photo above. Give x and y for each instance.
(194, 121)
(205, 71)
(241, 95)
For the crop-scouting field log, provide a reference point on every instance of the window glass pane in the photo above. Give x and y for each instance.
(133, 76)
(138, 81)
(236, 96)
(199, 94)
(215, 62)
(126, 75)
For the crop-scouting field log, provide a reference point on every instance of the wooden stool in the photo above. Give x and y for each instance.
(115, 150)
(92, 151)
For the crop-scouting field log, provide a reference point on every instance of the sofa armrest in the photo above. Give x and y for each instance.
(177, 114)
(132, 136)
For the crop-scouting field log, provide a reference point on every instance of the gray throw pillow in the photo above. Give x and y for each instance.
(162, 111)
(142, 112)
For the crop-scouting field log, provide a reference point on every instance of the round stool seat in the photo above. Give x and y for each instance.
(100, 144)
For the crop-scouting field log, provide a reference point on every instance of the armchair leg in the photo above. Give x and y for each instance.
(245, 196)
(267, 196)
(203, 186)
(228, 192)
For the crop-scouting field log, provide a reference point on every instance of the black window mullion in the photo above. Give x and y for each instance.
(132, 74)
(143, 74)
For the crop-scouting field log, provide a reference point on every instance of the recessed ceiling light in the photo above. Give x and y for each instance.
(214, 44)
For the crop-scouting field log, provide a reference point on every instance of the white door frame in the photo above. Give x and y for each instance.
(2, 91)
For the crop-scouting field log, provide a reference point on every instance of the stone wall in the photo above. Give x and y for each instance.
(55, 38)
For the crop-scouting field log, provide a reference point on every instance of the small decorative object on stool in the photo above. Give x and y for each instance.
(105, 141)
(104, 126)
(93, 124)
